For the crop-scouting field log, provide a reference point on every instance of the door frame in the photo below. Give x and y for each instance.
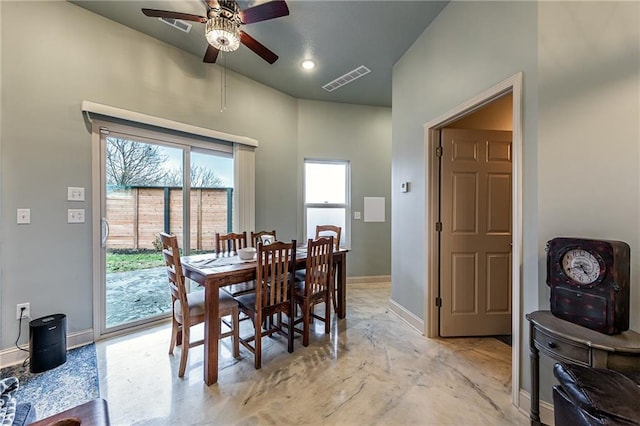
(101, 128)
(432, 137)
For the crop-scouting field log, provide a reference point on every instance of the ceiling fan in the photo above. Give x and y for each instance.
(223, 22)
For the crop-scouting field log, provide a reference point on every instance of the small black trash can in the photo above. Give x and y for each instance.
(47, 342)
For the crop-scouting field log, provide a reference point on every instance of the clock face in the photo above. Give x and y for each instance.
(581, 266)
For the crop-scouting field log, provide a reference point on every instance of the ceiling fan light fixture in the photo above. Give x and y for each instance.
(223, 34)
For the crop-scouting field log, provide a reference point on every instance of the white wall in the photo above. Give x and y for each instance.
(66, 54)
(581, 129)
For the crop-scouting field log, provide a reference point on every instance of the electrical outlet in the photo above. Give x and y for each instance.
(23, 310)
(75, 193)
(75, 215)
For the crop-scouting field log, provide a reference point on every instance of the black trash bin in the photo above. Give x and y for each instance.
(47, 342)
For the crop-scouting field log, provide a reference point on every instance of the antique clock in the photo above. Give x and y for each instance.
(589, 282)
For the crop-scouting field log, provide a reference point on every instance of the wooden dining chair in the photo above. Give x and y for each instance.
(316, 287)
(256, 237)
(335, 231)
(326, 231)
(330, 230)
(188, 308)
(273, 295)
(231, 242)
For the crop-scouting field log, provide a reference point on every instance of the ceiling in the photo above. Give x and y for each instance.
(339, 36)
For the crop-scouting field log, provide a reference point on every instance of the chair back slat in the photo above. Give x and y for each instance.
(330, 230)
(231, 242)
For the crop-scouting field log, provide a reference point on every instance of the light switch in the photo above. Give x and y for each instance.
(75, 193)
(75, 215)
(356, 215)
(24, 216)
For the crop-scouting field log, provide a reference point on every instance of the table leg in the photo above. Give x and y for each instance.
(211, 333)
(534, 414)
(342, 286)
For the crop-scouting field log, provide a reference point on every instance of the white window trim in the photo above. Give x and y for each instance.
(346, 231)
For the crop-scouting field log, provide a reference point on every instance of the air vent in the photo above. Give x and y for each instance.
(177, 23)
(346, 79)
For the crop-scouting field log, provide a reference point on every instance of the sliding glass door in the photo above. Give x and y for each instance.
(150, 185)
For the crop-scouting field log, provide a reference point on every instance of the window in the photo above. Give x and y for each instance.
(326, 196)
(154, 183)
(150, 181)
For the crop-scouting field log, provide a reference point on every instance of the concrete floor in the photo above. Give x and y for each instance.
(371, 369)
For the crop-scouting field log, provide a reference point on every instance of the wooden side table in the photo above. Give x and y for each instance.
(568, 342)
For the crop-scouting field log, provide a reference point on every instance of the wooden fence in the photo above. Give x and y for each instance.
(137, 214)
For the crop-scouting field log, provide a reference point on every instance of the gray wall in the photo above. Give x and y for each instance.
(443, 69)
(580, 132)
(67, 54)
(363, 136)
(581, 85)
(589, 131)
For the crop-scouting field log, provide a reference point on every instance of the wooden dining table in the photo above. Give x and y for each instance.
(213, 271)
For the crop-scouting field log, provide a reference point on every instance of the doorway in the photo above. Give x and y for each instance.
(433, 129)
(475, 227)
(151, 182)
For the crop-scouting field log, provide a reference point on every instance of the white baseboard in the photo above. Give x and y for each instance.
(14, 356)
(372, 279)
(411, 319)
(546, 409)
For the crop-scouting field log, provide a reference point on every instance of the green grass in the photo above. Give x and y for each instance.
(124, 260)
(132, 261)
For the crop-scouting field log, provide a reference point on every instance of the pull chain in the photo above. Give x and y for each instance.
(223, 84)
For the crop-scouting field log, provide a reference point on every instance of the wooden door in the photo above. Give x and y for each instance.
(475, 241)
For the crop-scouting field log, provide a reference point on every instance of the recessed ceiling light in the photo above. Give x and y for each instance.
(308, 64)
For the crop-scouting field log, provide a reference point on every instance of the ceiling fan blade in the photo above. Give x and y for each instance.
(264, 11)
(258, 47)
(211, 55)
(173, 15)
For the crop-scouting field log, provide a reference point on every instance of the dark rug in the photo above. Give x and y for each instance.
(72, 383)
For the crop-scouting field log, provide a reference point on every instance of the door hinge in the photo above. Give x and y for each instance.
(438, 226)
(438, 302)
(104, 130)
(438, 151)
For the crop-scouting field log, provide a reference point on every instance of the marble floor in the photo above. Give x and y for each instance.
(372, 369)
